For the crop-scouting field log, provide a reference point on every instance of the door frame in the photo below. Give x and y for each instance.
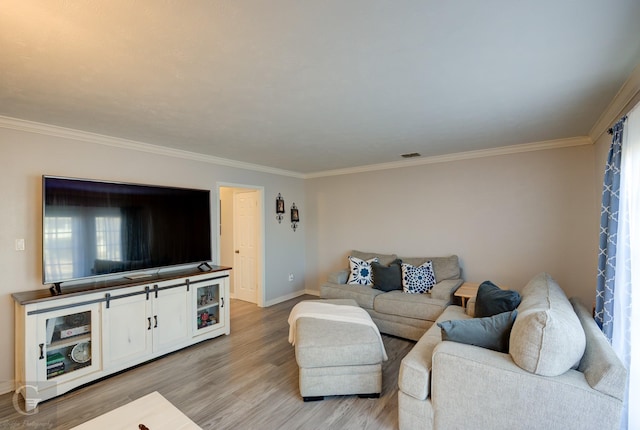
(260, 229)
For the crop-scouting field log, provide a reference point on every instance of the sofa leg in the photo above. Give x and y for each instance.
(313, 399)
(369, 396)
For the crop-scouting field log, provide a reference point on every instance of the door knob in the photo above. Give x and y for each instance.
(237, 251)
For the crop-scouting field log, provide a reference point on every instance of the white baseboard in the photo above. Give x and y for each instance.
(6, 387)
(290, 296)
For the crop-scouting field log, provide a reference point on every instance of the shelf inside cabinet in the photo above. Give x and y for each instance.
(60, 361)
(70, 341)
(212, 304)
(208, 315)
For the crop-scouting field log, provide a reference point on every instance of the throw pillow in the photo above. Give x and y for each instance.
(360, 273)
(418, 280)
(387, 278)
(492, 300)
(488, 332)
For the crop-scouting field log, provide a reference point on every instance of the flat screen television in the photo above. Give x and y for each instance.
(94, 229)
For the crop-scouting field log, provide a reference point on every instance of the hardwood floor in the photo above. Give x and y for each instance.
(247, 380)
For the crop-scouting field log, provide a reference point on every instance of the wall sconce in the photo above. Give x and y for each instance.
(279, 208)
(295, 217)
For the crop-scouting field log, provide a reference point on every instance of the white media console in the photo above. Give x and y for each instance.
(85, 333)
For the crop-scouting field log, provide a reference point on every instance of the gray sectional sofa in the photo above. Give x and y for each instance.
(559, 372)
(395, 312)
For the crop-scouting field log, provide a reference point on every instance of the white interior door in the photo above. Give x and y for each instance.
(245, 209)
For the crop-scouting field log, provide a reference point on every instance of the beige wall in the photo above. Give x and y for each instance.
(25, 157)
(507, 217)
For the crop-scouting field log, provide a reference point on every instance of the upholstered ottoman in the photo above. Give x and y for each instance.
(337, 357)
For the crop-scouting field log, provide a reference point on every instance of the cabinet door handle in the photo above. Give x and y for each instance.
(155, 317)
(149, 319)
(222, 302)
(41, 351)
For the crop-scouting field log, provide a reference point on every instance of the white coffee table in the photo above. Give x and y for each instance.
(153, 411)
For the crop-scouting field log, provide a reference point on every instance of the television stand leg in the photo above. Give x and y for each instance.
(55, 289)
(205, 267)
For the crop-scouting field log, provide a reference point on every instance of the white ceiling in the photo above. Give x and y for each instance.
(310, 86)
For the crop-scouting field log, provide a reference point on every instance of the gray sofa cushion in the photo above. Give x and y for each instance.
(364, 295)
(384, 259)
(602, 368)
(420, 306)
(443, 267)
(387, 278)
(340, 277)
(492, 300)
(547, 337)
(488, 332)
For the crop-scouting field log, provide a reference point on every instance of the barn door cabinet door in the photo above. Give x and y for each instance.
(60, 349)
(141, 322)
(211, 305)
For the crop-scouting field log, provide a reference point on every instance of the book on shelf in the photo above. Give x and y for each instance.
(55, 373)
(66, 332)
(55, 368)
(56, 357)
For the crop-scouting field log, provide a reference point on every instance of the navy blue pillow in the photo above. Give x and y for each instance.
(387, 278)
(488, 332)
(492, 300)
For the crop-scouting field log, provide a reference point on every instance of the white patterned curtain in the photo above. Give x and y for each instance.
(616, 310)
(626, 338)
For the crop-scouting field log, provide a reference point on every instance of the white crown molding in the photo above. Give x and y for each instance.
(504, 150)
(614, 111)
(100, 139)
(68, 133)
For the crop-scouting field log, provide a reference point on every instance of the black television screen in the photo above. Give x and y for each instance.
(96, 228)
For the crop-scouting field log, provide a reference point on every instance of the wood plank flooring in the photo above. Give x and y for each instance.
(247, 380)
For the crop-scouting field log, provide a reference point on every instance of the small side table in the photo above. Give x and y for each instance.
(466, 291)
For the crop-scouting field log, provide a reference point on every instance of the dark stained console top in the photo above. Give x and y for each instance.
(43, 295)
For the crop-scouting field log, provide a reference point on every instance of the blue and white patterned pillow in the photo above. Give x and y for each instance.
(418, 280)
(361, 272)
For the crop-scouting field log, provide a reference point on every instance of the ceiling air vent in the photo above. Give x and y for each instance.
(410, 155)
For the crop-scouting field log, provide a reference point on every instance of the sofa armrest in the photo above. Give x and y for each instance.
(338, 277)
(482, 380)
(444, 290)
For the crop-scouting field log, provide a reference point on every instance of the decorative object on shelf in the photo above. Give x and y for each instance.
(78, 319)
(81, 353)
(279, 208)
(295, 217)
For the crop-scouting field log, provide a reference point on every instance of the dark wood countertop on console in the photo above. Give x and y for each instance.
(45, 294)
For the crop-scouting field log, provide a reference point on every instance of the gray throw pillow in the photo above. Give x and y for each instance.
(488, 332)
(387, 278)
(492, 300)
